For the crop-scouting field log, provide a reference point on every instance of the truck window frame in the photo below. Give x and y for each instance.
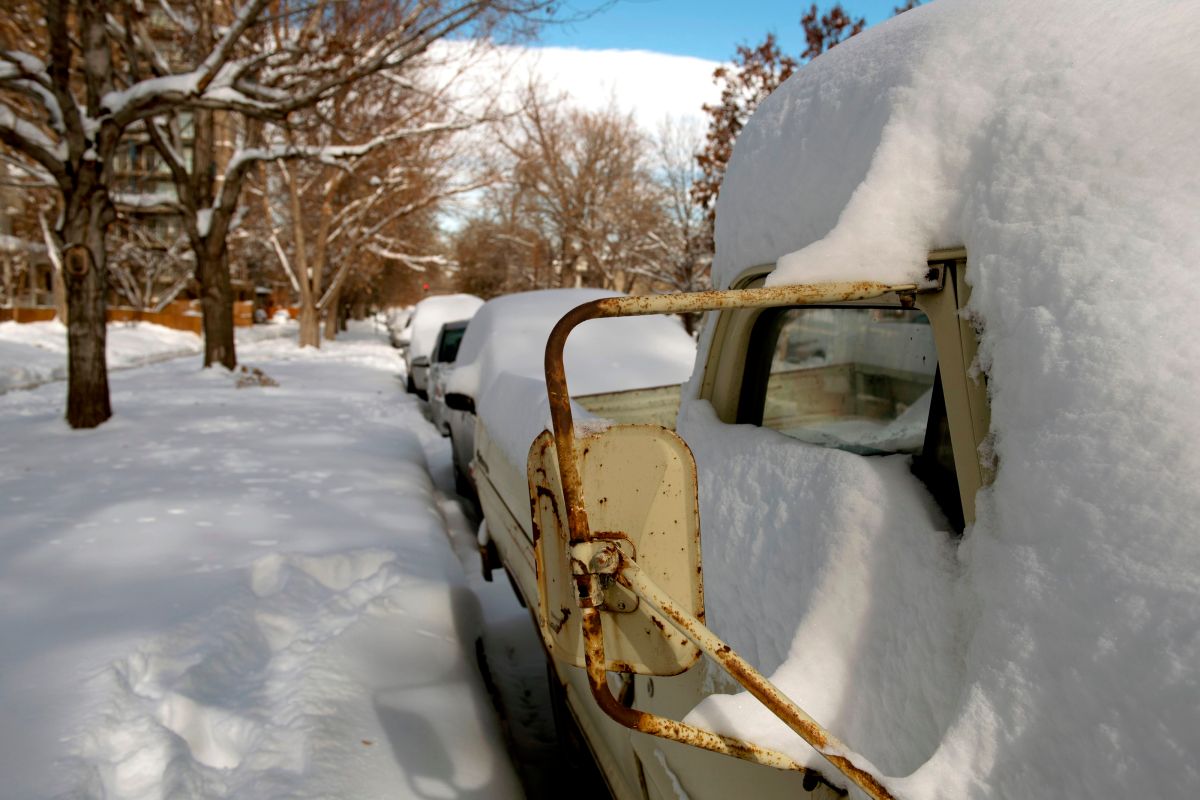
(735, 380)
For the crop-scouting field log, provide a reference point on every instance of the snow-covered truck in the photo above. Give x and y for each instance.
(941, 437)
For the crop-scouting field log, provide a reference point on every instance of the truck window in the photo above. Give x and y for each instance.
(855, 378)
(858, 379)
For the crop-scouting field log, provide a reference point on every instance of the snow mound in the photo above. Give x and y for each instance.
(36, 352)
(1055, 650)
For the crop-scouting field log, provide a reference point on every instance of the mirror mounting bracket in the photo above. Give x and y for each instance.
(599, 562)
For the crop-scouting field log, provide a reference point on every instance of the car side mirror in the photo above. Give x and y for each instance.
(421, 361)
(460, 402)
(639, 488)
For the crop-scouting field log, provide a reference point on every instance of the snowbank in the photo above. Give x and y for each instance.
(501, 361)
(1055, 651)
(35, 353)
(431, 314)
(228, 592)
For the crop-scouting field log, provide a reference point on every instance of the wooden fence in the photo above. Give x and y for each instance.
(182, 315)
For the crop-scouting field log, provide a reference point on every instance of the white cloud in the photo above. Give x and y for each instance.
(652, 86)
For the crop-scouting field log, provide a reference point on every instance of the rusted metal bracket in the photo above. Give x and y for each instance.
(594, 565)
(588, 581)
(595, 558)
(824, 742)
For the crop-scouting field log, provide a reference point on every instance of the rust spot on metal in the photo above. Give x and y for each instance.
(758, 686)
(566, 614)
(661, 726)
(556, 377)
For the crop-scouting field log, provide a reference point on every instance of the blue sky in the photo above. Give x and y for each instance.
(704, 28)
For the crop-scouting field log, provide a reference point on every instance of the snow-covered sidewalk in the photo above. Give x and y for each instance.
(35, 353)
(229, 592)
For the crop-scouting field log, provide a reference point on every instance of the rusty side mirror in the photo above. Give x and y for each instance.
(616, 532)
(639, 482)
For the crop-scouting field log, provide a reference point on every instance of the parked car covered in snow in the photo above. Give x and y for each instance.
(928, 527)
(397, 319)
(427, 320)
(496, 394)
(445, 350)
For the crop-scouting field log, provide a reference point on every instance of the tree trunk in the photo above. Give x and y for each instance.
(216, 302)
(86, 277)
(59, 287)
(310, 323)
(333, 315)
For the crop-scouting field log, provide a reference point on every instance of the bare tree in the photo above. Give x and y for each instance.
(683, 258)
(147, 269)
(755, 73)
(346, 207)
(307, 56)
(76, 75)
(582, 180)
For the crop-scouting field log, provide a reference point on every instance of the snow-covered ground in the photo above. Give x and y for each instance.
(35, 353)
(228, 592)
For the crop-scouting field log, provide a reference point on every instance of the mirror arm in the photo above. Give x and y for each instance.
(666, 728)
(590, 561)
(631, 576)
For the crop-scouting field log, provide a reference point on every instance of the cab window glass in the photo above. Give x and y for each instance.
(854, 378)
(451, 339)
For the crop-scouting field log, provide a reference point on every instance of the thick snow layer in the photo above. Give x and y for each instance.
(432, 313)
(815, 552)
(35, 353)
(501, 361)
(229, 592)
(1055, 651)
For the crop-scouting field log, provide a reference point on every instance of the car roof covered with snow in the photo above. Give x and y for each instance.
(1055, 650)
(433, 312)
(501, 359)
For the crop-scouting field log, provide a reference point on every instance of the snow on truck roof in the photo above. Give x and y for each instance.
(1057, 142)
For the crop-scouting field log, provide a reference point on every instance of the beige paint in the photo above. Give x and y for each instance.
(640, 485)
